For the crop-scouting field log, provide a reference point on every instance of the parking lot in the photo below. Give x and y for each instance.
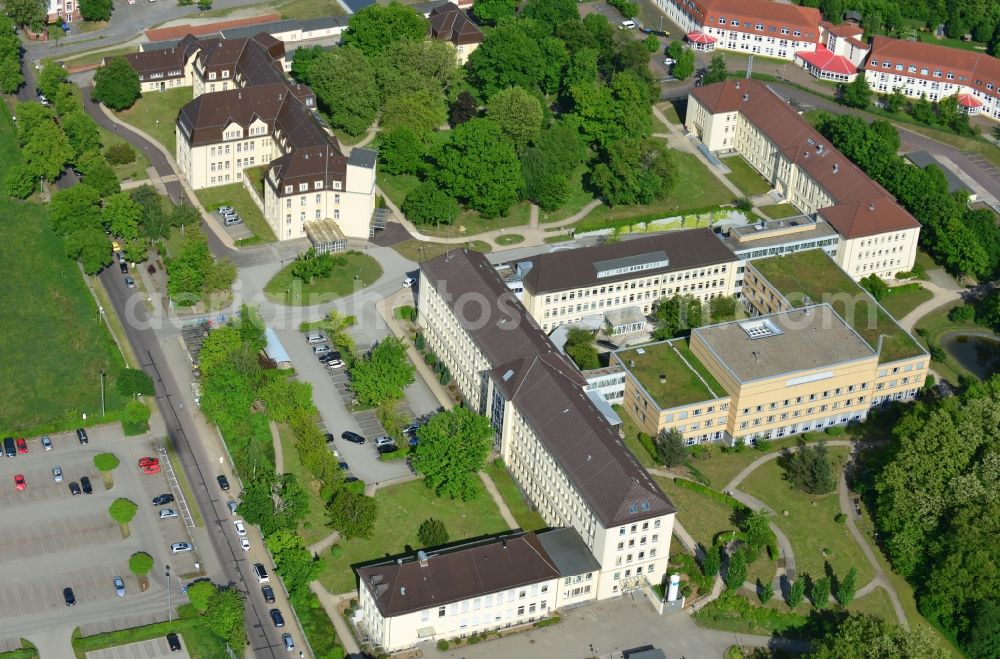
(156, 648)
(51, 539)
(237, 231)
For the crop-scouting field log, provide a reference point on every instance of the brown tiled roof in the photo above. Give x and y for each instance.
(458, 574)
(843, 30)
(561, 270)
(970, 68)
(812, 153)
(547, 389)
(164, 60)
(770, 14)
(309, 164)
(449, 23)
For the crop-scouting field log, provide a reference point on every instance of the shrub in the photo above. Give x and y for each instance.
(106, 461)
(119, 154)
(840, 518)
(712, 561)
(418, 342)
(963, 314)
(432, 532)
(135, 418)
(743, 203)
(430, 358)
(337, 551)
(545, 622)
(834, 431)
(134, 381)
(937, 353)
(443, 644)
(140, 563)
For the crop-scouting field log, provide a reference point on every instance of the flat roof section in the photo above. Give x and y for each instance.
(811, 277)
(784, 343)
(684, 383)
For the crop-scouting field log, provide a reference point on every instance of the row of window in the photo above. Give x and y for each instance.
(317, 185)
(303, 201)
(317, 215)
(936, 73)
(757, 26)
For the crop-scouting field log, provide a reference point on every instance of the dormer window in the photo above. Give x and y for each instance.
(759, 26)
(937, 73)
(336, 185)
(288, 189)
(303, 187)
(211, 76)
(923, 70)
(911, 69)
(318, 185)
(225, 73)
(797, 33)
(899, 67)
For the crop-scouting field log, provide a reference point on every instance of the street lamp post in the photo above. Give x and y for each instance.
(102, 393)
(170, 613)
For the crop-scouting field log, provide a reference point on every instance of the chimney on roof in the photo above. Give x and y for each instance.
(737, 84)
(402, 591)
(746, 97)
(871, 205)
(504, 543)
(819, 149)
(836, 168)
(422, 557)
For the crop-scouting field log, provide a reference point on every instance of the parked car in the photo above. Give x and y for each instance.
(384, 440)
(173, 642)
(245, 544)
(44, 101)
(261, 573)
(331, 356)
(268, 593)
(81, 434)
(57, 474)
(344, 466)
(226, 209)
(277, 618)
(352, 437)
(351, 479)
(334, 364)
(289, 643)
(232, 506)
(315, 337)
(669, 61)
(163, 499)
(85, 484)
(119, 586)
(19, 482)
(329, 437)
(129, 282)
(241, 529)
(223, 482)
(168, 513)
(22, 446)
(46, 443)
(321, 349)
(123, 266)
(386, 448)
(408, 282)
(149, 465)
(69, 597)
(180, 547)
(627, 24)
(9, 448)
(74, 488)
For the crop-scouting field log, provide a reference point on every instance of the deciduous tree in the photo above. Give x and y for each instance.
(383, 373)
(77, 207)
(121, 216)
(518, 114)
(293, 561)
(453, 446)
(199, 594)
(856, 94)
(429, 205)
(401, 151)
(95, 10)
(122, 510)
(140, 563)
(225, 616)
(134, 381)
(422, 112)
(862, 636)
(377, 28)
(344, 82)
(463, 108)
(26, 12)
(50, 77)
(670, 448)
(116, 84)
(81, 130)
(352, 514)
(489, 12)
(91, 247)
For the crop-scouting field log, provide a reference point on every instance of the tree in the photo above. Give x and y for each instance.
(683, 67)
(11, 77)
(847, 587)
(75, 208)
(134, 381)
(309, 265)
(106, 462)
(121, 216)
(808, 468)
(432, 533)
(712, 562)
(26, 12)
(422, 112)
(463, 108)
(383, 373)
(622, 178)
(863, 636)
(123, 511)
(199, 594)
(91, 247)
(81, 130)
(796, 592)
(856, 94)
(550, 13)
(756, 528)
(580, 348)
(874, 285)
(352, 514)
(895, 101)
(294, 562)
(50, 77)
(478, 166)
(226, 617)
(716, 70)
(489, 12)
(453, 446)
(47, 151)
(303, 61)
(187, 271)
(377, 28)
(140, 563)
(95, 10)
(135, 417)
(116, 84)
(182, 215)
(401, 151)
(97, 173)
(722, 308)
(410, 67)
(766, 592)
(736, 574)
(429, 205)
(613, 113)
(670, 448)
(984, 635)
(344, 82)
(519, 115)
(509, 57)
(282, 396)
(676, 316)
(820, 594)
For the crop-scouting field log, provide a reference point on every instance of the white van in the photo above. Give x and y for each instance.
(627, 24)
(260, 573)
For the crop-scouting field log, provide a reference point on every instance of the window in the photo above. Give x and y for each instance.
(441, 611)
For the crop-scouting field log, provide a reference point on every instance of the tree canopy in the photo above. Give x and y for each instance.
(344, 82)
(453, 446)
(377, 28)
(808, 468)
(116, 84)
(382, 374)
(352, 514)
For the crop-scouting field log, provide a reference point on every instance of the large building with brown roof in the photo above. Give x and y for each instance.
(761, 27)
(877, 235)
(452, 25)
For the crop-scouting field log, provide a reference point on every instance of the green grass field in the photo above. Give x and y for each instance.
(55, 343)
(810, 526)
(780, 211)
(700, 516)
(631, 430)
(901, 300)
(528, 519)
(236, 195)
(401, 509)
(155, 114)
(359, 271)
(199, 640)
(313, 527)
(745, 177)
(136, 170)
(682, 385)
(419, 250)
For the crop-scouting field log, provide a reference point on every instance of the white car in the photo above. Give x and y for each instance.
(241, 529)
(669, 61)
(46, 443)
(180, 548)
(409, 282)
(245, 543)
(168, 513)
(384, 441)
(57, 474)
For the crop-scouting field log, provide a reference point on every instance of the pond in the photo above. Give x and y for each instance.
(979, 353)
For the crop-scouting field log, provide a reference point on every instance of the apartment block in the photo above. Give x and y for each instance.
(559, 447)
(876, 235)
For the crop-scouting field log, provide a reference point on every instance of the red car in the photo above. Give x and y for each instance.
(22, 446)
(149, 465)
(19, 482)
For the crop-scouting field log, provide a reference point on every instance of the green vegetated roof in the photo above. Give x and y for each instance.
(810, 277)
(682, 386)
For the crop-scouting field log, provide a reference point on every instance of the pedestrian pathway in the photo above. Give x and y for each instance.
(330, 604)
(279, 454)
(324, 543)
(494, 493)
(942, 296)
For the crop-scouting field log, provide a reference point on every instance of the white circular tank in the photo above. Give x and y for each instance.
(675, 585)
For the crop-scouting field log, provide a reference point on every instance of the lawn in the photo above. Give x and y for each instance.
(356, 272)
(720, 466)
(313, 527)
(509, 239)
(401, 509)
(745, 177)
(876, 603)
(700, 516)
(396, 186)
(577, 199)
(901, 300)
(304, 9)
(631, 431)
(136, 170)
(528, 519)
(236, 195)
(155, 114)
(96, 58)
(682, 385)
(670, 112)
(937, 325)
(811, 273)
(810, 524)
(419, 250)
(199, 640)
(780, 211)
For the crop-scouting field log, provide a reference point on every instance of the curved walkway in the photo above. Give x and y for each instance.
(942, 296)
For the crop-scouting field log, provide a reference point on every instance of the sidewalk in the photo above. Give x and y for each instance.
(491, 488)
(330, 603)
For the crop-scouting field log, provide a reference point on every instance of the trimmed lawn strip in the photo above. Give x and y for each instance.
(359, 268)
(313, 527)
(96, 57)
(810, 526)
(779, 211)
(901, 300)
(419, 250)
(700, 516)
(401, 509)
(155, 114)
(744, 176)
(631, 431)
(876, 603)
(527, 518)
(682, 385)
(236, 195)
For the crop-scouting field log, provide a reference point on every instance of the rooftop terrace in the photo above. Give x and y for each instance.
(682, 385)
(811, 277)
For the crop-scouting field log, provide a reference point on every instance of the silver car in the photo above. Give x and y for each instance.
(168, 513)
(46, 443)
(180, 548)
(57, 475)
(119, 586)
